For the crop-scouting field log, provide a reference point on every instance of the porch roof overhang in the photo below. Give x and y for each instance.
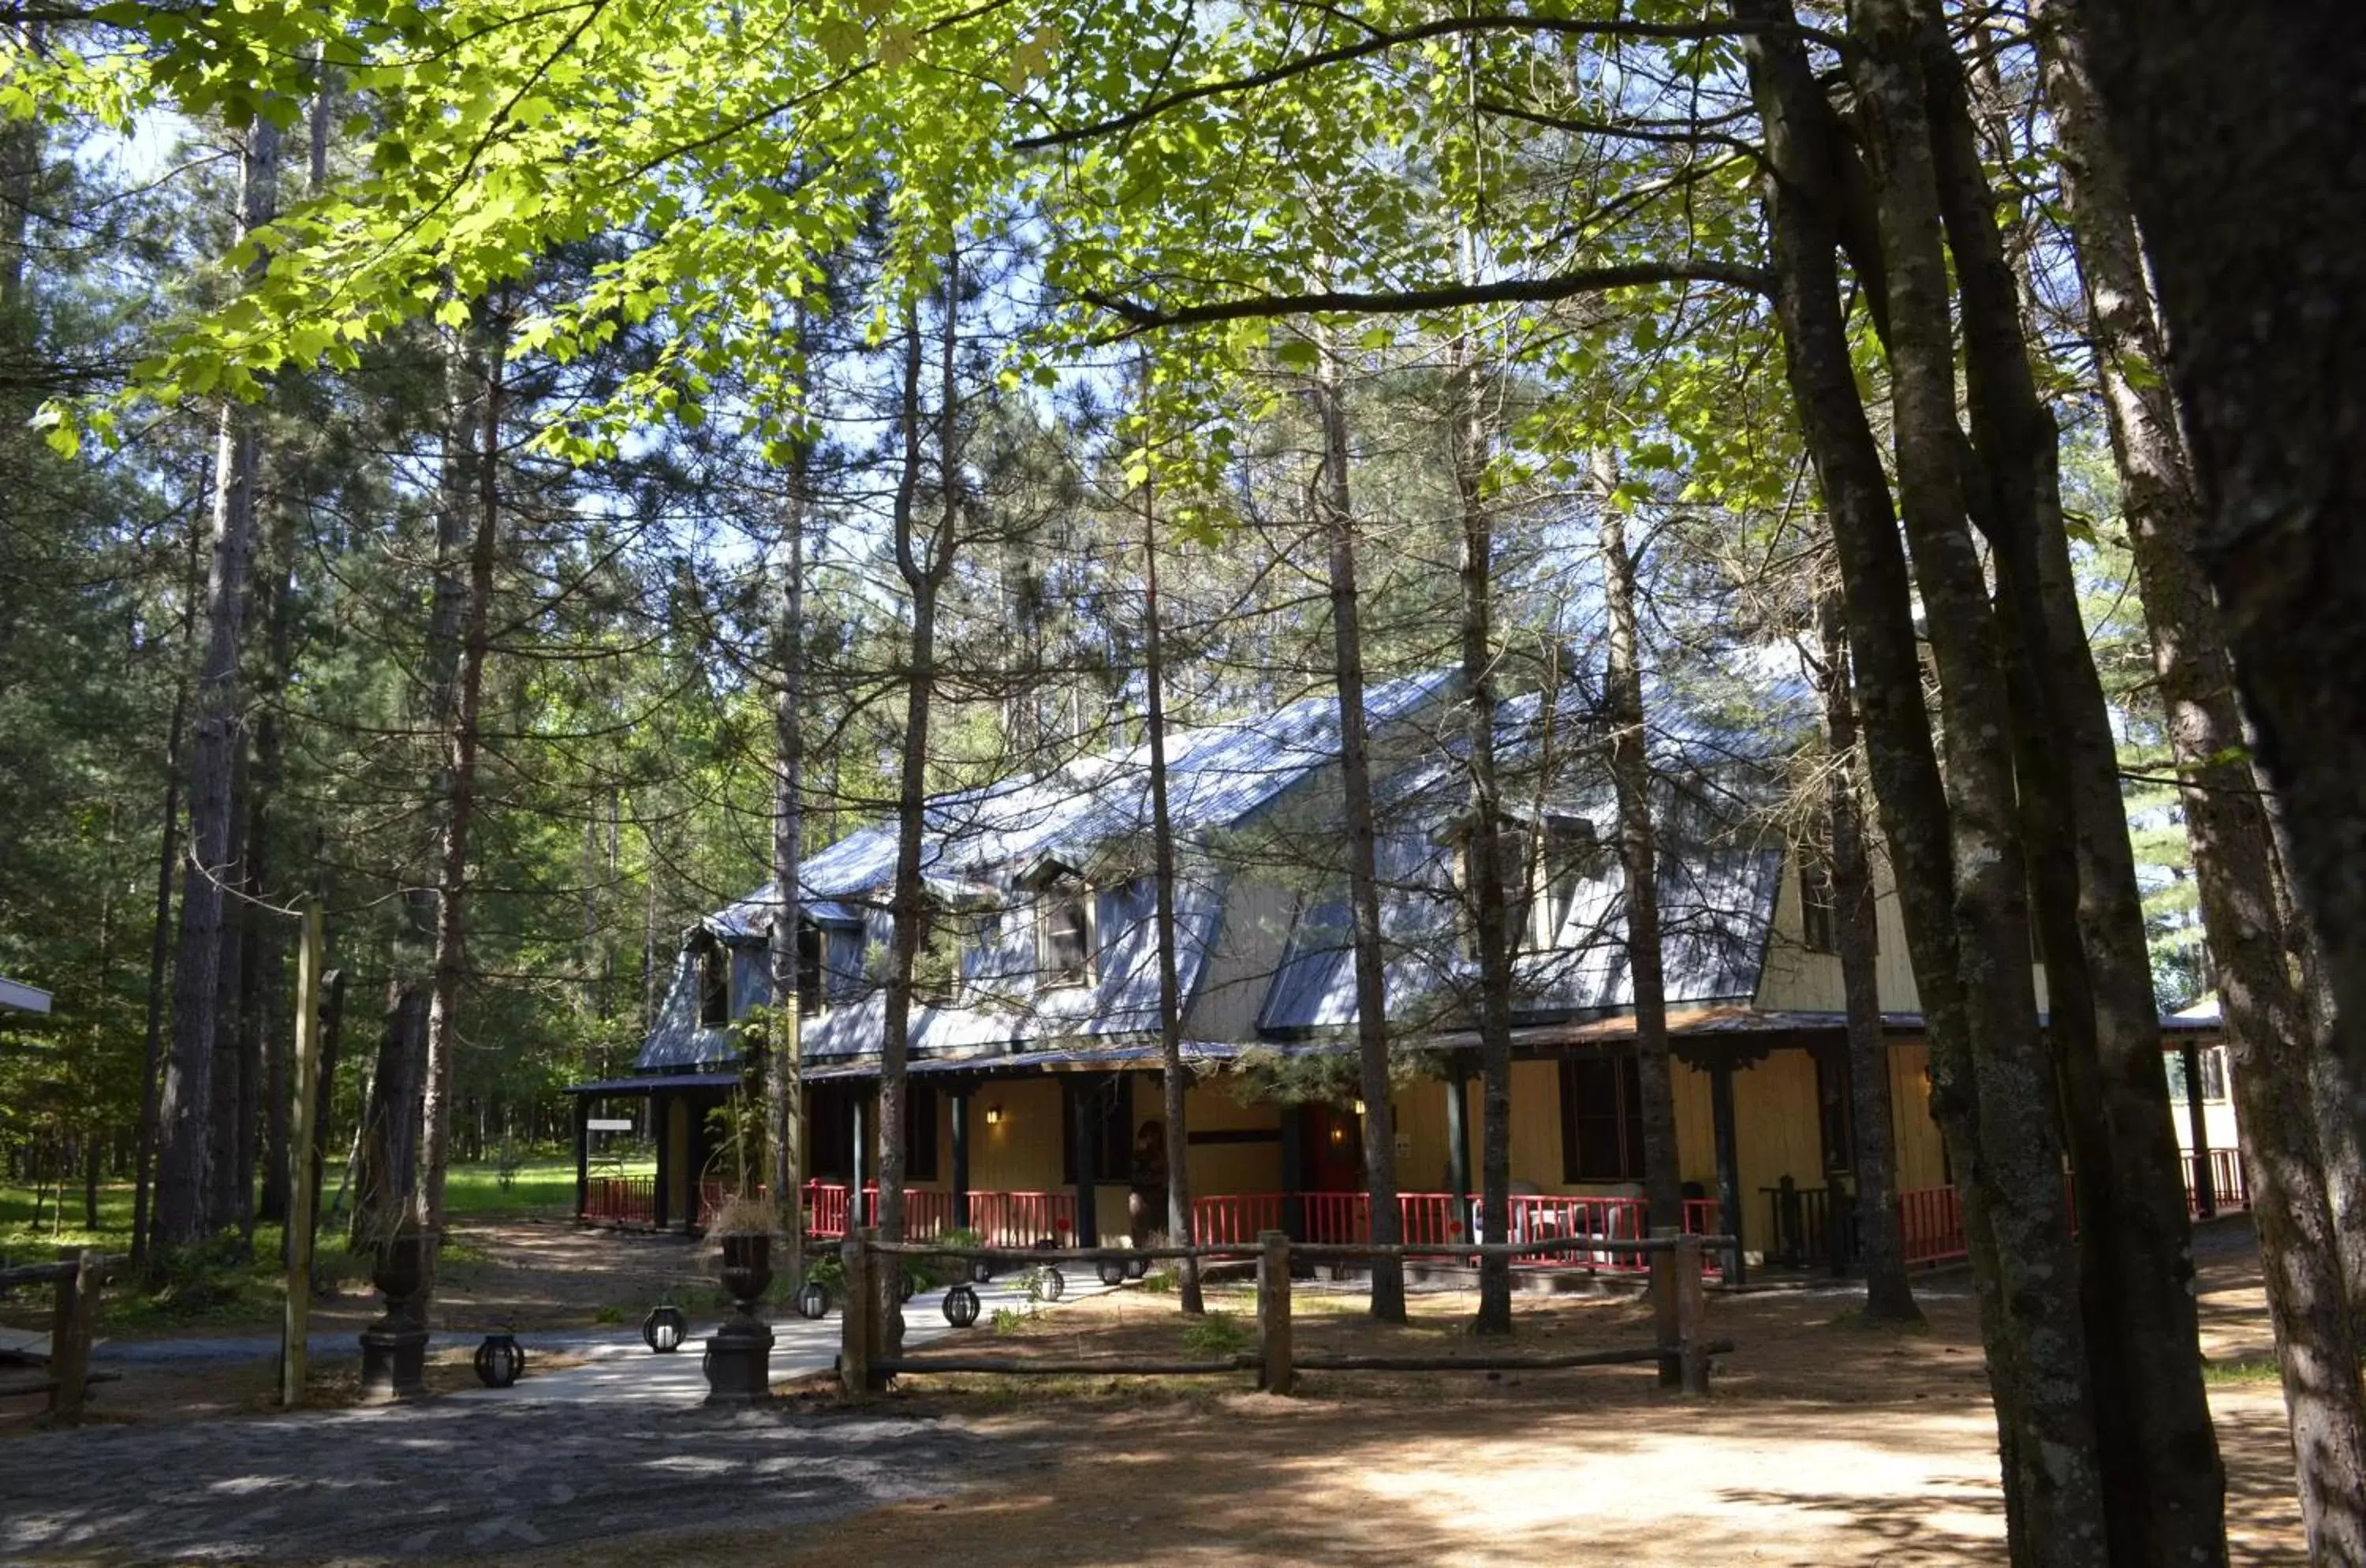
(653, 1083)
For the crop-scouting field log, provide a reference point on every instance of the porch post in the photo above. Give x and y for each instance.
(583, 1153)
(2205, 1193)
(1728, 1163)
(1293, 1171)
(1084, 1102)
(960, 1101)
(862, 1159)
(1458, 1140)
(661, 1128)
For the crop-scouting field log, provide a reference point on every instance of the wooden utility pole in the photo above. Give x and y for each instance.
(302, 1192)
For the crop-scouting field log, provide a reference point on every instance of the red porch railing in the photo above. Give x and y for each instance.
(621, 1199)
(2227, 1187)
(1930, 1225)
(1233, 1219)
(1023, 1218)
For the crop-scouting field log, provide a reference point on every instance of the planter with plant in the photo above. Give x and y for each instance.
(740, 1354)
(394, 1348)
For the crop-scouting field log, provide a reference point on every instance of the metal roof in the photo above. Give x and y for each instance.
(646, 1082)
(20, 997)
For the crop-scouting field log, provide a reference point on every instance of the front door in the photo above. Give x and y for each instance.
(1334, 1141)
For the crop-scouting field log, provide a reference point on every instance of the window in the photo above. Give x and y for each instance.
(1063, 932)
(829, 1131)
(1111, 1111)
(1569, 859)
(812, 943)
(1601, 1119)
(1513, 868)
(714, 984)
(1818, 909)
(2212, 1059)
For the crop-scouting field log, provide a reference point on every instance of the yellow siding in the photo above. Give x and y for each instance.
(1210, 1106)
(1777, 1132)
(1920, 1161)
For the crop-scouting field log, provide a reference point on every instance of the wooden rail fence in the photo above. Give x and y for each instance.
(79, 1274)
(1682, 1348)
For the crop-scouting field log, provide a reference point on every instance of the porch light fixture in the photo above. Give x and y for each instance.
(1359, 1107)
(500, 1360)
(994, 1116)
(664, 1328)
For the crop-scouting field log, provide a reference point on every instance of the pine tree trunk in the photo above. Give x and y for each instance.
(1639, 859)
(1487, 861)
(2227, 830)
(1387, 1304)
(1812, 193)
(1889, 1294)
(451, 962)
(2238, 131)
(2165, 1486)
(1175, 1083)
(184, 1115)
(784, 1083)
(161, 934)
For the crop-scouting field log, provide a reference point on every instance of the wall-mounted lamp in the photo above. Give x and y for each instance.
(994, 1116)
(1359, 1107)
(1338, 1134)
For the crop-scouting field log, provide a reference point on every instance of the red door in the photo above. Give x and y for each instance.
(1334, 1141)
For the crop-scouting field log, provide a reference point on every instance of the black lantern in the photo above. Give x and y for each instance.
(665, 1328)
(1137, 1268)
(1112, 1272)
(500, 1359)
(980, 1270)
(812, 1301)
(906, 1290)
(960, 1306)
(1049, 1282)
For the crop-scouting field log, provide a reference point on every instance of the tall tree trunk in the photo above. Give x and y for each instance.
(1388, 1303)
(185, 1112)
(1889, 1295)
(160, 933)
(23, 144)
(2268, 1028)
(784, 1083)
(1638, 858)
(2238, 132)
(2165, 1485)
(1489, 864)
(1175, 1085)
(231, 986)
(460, 812)
(924, 565)
(2044, 1433)
(2018, 1138)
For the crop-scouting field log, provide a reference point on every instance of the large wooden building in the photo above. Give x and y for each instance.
(1033, 1055)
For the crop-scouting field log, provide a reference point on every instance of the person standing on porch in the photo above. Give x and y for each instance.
(1148, 1180)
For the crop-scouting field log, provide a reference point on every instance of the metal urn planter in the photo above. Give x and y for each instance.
(394, 1348)
(739, 1361)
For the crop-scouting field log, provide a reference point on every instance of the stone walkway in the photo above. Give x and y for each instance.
(488, 1470)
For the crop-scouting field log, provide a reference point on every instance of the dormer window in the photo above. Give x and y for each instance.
(1571, 857)
(1064, 926)
(1818, 909)
(812, 943)
(714, 984)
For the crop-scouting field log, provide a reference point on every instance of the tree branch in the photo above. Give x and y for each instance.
(1140, 318)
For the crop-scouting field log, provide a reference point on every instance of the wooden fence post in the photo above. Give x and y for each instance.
(856, 1317)
(70, 1331)
(1691, 1343)
(1665, 1331)
(1273, 1312)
